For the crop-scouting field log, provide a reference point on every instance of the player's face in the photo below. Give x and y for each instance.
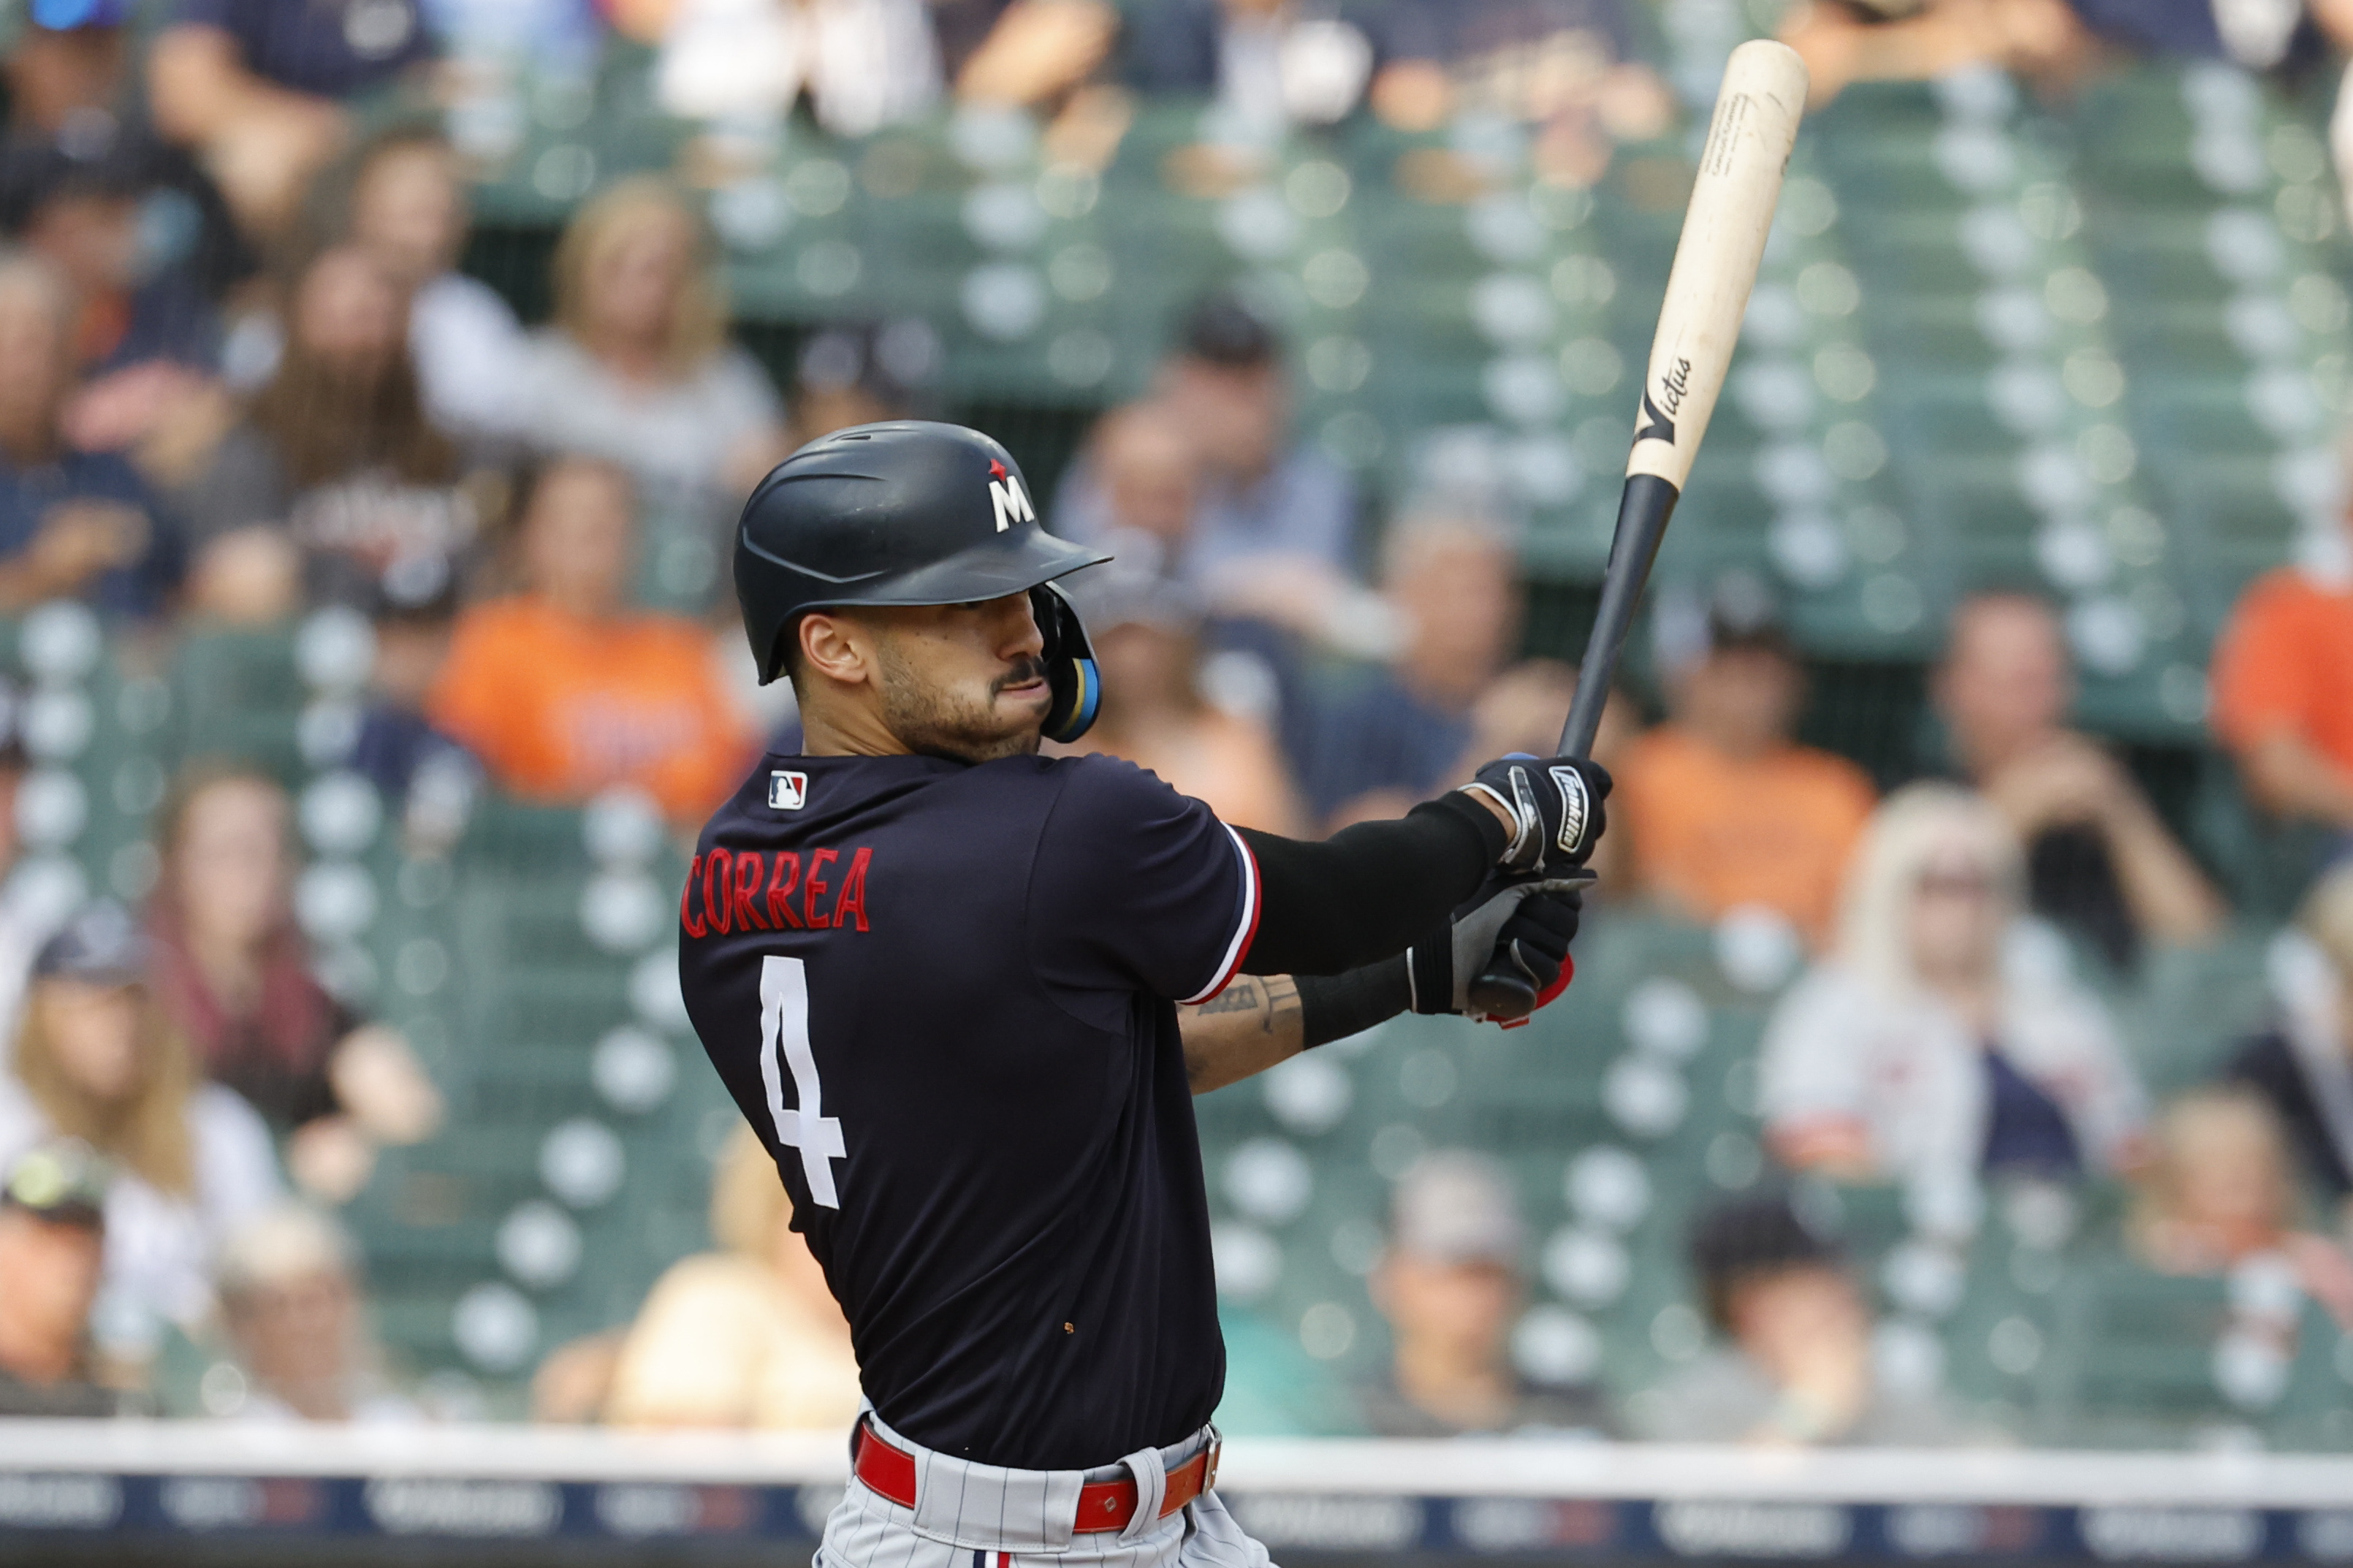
(962, 681)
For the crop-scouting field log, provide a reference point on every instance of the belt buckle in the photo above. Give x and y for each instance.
(1209, 1471)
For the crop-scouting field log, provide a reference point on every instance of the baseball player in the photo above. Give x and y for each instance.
(965, 993)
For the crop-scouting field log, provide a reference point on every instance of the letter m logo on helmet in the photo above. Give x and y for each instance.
(1006, 494)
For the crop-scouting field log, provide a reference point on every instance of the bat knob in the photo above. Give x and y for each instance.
(1502, 993)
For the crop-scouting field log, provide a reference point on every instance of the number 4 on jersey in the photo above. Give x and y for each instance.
(785, 1043)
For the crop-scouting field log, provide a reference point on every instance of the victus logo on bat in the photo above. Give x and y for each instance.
(1659, 412)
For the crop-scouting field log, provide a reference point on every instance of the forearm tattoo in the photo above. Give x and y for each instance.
(1275, 1000)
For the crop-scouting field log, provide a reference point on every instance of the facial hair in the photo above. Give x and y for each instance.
(935, 722)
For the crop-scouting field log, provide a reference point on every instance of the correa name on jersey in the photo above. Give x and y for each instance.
(751, 889)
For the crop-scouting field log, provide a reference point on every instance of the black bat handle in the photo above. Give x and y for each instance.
(1502, 990)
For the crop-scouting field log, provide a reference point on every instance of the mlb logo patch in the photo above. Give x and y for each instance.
(787, 791)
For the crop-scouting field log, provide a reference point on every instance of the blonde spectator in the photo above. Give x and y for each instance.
(1933, 1042)
(98, 1059)
(291, 1303)
(1146, 637)
(637, 368)
(562, 690)
(749, 1336)
(2220, 1192)
(232, 971)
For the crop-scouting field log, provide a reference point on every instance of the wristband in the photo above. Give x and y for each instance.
(1495, 838)
(1334, 1006)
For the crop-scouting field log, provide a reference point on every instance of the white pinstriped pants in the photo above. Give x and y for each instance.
(980, 1516)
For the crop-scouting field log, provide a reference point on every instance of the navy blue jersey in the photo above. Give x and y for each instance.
(945, 996)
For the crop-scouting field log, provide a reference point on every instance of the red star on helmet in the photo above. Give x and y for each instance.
(995, 470)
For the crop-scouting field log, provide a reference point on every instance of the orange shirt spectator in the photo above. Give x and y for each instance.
(1719, 806)
(2283, 694)
(563, 691)
(1710, 830)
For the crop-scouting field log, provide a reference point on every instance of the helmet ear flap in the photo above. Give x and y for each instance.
(1071, 673)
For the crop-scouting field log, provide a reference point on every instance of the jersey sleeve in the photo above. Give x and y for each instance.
(1137, 887)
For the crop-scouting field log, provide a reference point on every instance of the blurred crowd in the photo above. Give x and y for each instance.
(243, 375)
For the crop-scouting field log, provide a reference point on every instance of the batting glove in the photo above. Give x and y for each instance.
(1526, 922)
(1555, 807)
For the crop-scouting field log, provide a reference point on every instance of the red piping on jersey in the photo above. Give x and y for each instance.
(1238, 953)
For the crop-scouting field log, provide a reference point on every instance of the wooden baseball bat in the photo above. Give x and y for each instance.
(1732, 202)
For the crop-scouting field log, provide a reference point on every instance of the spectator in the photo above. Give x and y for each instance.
(2302, 1064)
(1449, 1284)
(2100, 862)
(1269, 63)
(749, 1336)
(1025, 52)
(863, 64)
(637, 370)
(2283, 684)
(1797, 1366)
(146, 340)
(1564, 65)
(233, 973)
(52, 1254)
(1276, 523)
(1146, 635)
(563, 691)
(2221, 1191)
(1149, 487)
(415, 612)
(71, 522)
(408, 213)
(72, 89)
(1720, 803)
(1846, 41)
(98, 1059)
(2053, 43)
(1397, 738)
(296, 1317)
(335, 463)
(1929, 1043)
(256, 87)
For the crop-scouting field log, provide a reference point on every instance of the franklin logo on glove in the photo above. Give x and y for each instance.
(1575, 807)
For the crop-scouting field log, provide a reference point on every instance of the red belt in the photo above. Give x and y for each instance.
(890, 1472)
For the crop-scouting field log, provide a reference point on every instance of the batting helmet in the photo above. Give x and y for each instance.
(909, 512)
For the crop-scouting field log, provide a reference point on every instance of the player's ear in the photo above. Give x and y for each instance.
(833, 646)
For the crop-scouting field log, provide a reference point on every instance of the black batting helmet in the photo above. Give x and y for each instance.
(909, 512)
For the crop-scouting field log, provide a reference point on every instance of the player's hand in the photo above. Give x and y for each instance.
(1522, 923)
(1553, 808)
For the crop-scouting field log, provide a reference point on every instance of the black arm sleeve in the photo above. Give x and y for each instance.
(1368, 891)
